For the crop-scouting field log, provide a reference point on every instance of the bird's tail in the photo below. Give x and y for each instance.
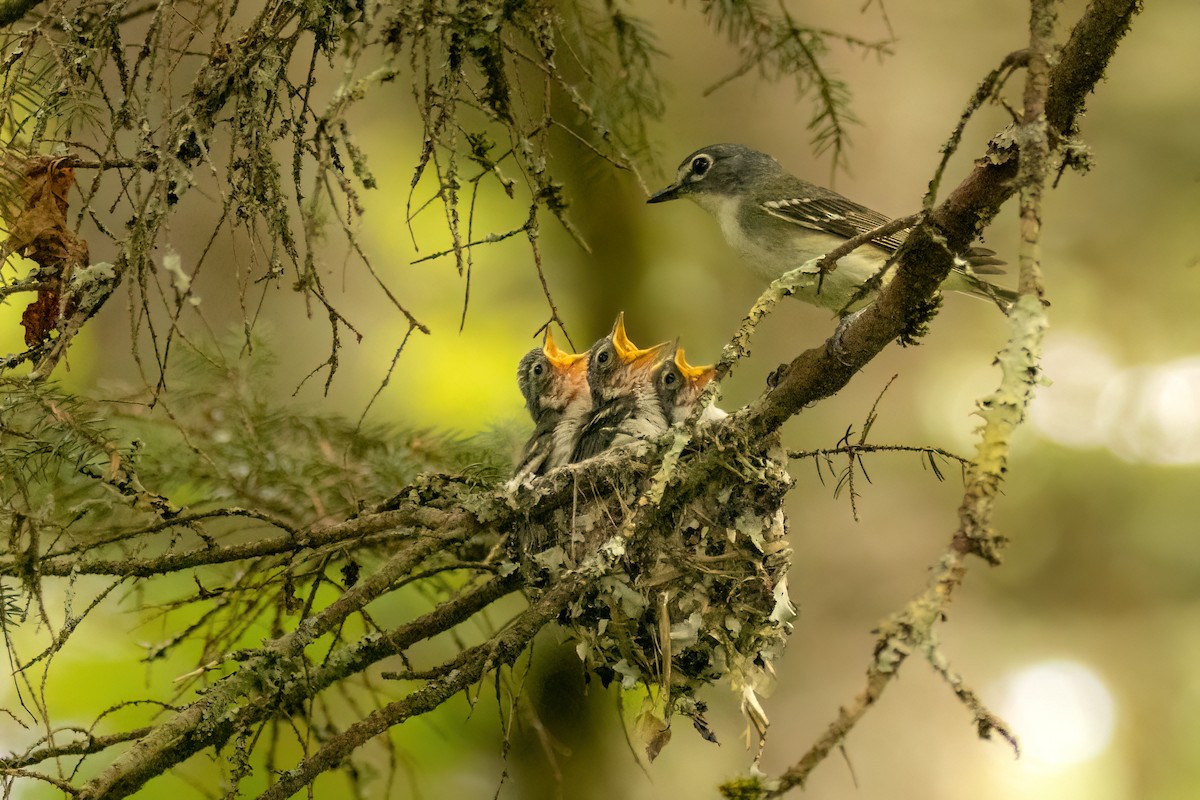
(984, 261)
(969, 283)
(965, 277)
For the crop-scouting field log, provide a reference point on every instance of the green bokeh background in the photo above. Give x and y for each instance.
(1104, 565)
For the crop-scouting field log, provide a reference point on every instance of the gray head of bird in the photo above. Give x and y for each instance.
(719, 170)
(616, 365)
(550, 377)
(679, 384)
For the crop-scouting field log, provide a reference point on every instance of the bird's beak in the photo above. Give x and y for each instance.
(627, 351)
(699, 376)
(650, 356)
(669, 193)
(561, 359)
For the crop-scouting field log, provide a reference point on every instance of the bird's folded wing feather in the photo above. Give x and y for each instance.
(537, 449)
(845, 218)
(835, 215)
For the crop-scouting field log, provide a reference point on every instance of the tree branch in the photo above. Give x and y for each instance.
(469, 667)
(278, 676)
(203, 722)
(82, 747)
(408, 519)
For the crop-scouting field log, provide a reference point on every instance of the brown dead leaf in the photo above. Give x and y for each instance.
(38, 230)
(653, 731)
(40, 316)
(42, 207)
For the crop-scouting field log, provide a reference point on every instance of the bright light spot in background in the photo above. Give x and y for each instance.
(1061, 711)
(1142, 414)
(1069, 410)
(1153, 413)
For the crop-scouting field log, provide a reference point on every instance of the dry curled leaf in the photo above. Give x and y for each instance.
(38, 230)
(40, 316)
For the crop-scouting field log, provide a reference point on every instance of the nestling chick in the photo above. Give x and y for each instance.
(679, 384)
(625, 406)
(554, 384)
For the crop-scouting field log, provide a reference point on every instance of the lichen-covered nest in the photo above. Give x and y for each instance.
(696, 596)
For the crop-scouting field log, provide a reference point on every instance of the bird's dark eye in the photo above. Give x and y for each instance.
(700, 165)
(669, 378)
(538, 369)
(602, 357)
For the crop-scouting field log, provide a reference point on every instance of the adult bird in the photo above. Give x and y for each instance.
(554, 384)
(625, 406)
(777, 222)
(679, 384)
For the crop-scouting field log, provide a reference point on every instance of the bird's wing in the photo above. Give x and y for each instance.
(537, 450)
(597, 434)
(833, 214)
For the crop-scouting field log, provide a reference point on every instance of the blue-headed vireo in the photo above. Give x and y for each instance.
(777, 222)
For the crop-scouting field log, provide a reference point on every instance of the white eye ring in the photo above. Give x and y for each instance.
(701, 165)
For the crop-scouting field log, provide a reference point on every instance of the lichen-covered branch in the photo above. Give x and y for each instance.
(441, 522)
(271, 679)
(86, 745)
(898, 637)
(469, 667)
(154, 101)
(401, 525)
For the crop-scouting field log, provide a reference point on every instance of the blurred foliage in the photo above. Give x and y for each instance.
(73, 468)
(86, 479)
(224, 437)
